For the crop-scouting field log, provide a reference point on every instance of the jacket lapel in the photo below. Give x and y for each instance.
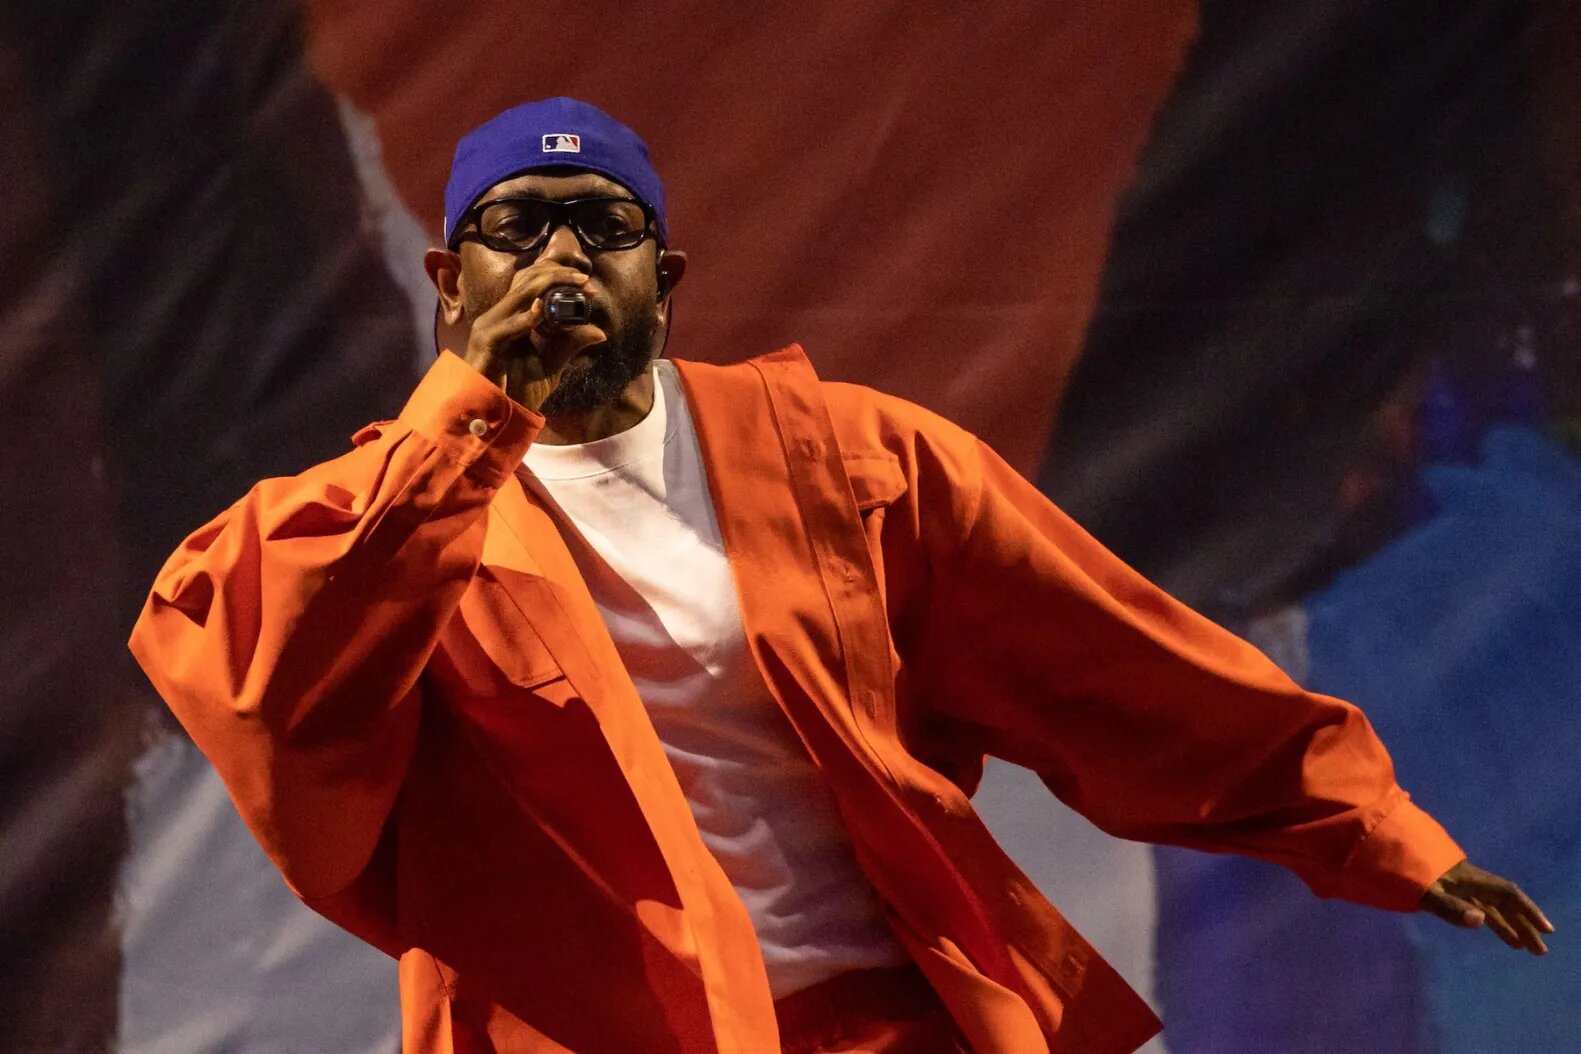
(793, 532)
(815, 621)
(527, 555)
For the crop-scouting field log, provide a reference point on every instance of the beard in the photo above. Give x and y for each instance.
(596, 378)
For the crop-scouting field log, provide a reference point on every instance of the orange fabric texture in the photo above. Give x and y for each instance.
(395, 667)
(885, 1011)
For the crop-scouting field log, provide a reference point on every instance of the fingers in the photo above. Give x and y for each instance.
(531, 283)
(1526, 928)
(514, 326)
(1529, 908)
(1525, 919)
(1502, 929)
(1451, 908)
(520, 310)
(532, 318)
(1513, 915)
(1518, 931)
(1467, 891)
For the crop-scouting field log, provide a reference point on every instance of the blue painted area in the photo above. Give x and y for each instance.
(1462, 642)
(1249, 962)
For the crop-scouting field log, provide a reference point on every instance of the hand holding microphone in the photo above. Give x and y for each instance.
(527, 337)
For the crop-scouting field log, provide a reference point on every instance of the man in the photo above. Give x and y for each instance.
(636, 705)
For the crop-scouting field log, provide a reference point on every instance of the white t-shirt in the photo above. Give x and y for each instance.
(659, 575)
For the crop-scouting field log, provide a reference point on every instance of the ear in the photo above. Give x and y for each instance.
(444, 270)
(671, 269)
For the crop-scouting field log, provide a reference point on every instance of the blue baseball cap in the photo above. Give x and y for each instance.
(543, 134)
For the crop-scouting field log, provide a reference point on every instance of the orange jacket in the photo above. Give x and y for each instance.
(398, 672)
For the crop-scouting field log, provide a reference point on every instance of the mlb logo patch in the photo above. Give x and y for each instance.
(559, 143)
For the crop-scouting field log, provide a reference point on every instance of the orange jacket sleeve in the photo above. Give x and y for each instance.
(1045, 649)
(288, 634)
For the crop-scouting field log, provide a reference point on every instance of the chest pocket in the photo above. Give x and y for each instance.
(490, 647)
(877, 483)
(876, 478)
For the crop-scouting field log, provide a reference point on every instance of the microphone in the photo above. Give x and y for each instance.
(566, 306)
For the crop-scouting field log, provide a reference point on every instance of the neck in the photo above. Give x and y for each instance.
(633, 404)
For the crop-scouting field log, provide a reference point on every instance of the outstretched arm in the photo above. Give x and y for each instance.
(1041, 647)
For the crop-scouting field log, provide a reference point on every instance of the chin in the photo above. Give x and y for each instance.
(594, 380)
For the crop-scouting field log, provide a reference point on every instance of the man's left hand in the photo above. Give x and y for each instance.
(1468, 896)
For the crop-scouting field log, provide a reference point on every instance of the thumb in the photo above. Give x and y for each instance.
(1452, 909)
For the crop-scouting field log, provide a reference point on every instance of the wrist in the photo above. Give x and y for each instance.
(517, 373)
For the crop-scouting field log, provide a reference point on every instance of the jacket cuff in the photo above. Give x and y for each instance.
(1400, 857)
(470, 420)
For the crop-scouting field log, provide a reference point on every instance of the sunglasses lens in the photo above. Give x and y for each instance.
(610, 223)
(520, 223)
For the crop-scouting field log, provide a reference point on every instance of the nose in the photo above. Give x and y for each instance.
(565, 249)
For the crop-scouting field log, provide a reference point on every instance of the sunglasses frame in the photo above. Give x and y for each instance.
(469, 228)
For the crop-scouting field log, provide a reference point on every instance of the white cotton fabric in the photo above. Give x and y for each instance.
(658, 572)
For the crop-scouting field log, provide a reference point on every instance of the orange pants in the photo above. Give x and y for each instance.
(893, 1011)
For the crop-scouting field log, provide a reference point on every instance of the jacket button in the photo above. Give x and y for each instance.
(478, 427)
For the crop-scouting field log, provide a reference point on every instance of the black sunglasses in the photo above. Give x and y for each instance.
(523, 225)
